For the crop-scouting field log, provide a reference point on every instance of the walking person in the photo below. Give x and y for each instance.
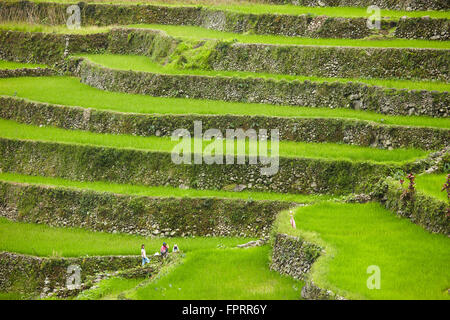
(144, 256)
(292, 221)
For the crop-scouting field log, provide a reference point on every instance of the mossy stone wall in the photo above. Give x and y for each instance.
(343, 62)
(26, 72)
(48, 48)
(145, 216)
(222, 20)
(257, 90)
(91, 163)
(30, 274)
(349, 131)
(386, 4)
(426, 211)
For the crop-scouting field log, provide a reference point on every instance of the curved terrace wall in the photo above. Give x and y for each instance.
(294, 257)
(349, 131)
(321, 61)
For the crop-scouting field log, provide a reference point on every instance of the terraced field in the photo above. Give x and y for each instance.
(126, 132)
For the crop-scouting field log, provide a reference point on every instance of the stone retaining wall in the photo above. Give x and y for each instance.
(92, 163)
(349, 131)
(294, 257)
(423, 28)
(257, 90)
(26, 72)
(33, 275)
(342, 62)
(48, 48)
(387, 4)
(222, 20)
(145, 216)
(426, 211)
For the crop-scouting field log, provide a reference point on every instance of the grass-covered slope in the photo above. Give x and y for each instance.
(69, 91)
(413, 262)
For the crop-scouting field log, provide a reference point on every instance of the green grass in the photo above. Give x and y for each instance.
(142, 63)
(413, 263)
(237, 274)
(139, 190)
(8, 65)
(42, 240)
(431, 184)
(31, 27)
(13, 130)
(258, 8)
(198, 33)
(210, 270)
(69, 91)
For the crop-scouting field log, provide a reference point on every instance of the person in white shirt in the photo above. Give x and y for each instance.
(144, 256)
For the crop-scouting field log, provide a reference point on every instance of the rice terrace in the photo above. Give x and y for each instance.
(225, 150)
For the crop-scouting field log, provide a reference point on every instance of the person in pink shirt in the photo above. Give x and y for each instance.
(164, 249)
